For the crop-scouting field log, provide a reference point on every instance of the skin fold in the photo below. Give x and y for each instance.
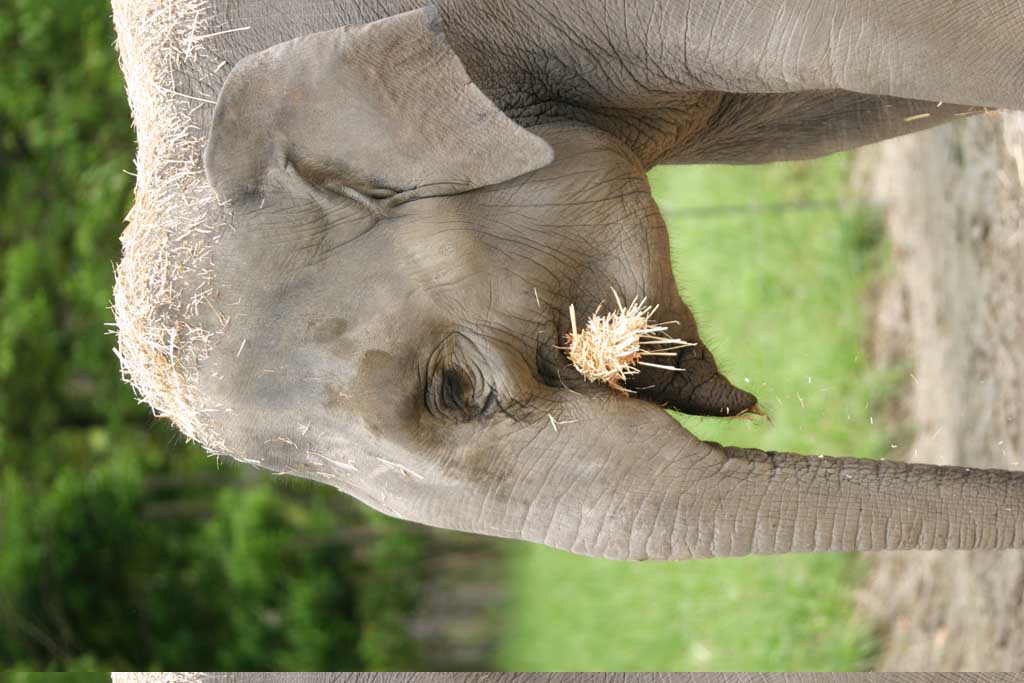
(417, 194)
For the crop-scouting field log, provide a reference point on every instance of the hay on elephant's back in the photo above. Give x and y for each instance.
(156, 677)
(164, 278)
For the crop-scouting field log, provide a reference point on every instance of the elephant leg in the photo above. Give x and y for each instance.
(760, 128)
(964, 51)
(635, 56)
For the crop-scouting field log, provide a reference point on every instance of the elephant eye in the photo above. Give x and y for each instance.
(455, 388)
(456, 391)
(455, 394)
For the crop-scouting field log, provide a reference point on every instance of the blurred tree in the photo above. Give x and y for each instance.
(121, 546)
(34, 677)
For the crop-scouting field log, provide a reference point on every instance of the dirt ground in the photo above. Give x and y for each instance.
(953, 312)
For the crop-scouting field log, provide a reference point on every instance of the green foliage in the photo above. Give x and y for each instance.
(386, 645)
(64, 139)
(783, 292)
(121, 546)
(81, 676)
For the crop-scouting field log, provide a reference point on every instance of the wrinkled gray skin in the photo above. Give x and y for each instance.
(417, 198)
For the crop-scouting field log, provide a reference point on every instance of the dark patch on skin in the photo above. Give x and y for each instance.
(331, 333)
(375, 363)
(326, 330)
(383, 410)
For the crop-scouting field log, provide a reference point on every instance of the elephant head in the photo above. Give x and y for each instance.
(394, 282)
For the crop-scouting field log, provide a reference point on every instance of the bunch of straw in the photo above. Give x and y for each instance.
(613, 344)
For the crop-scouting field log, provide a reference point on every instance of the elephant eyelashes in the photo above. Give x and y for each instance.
(456, 395)
(456, 390)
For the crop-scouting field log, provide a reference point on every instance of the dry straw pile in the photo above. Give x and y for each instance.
(613, 344)
(156, 677)
(164, 283)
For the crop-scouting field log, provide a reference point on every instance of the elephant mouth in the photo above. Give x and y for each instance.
(697, 387)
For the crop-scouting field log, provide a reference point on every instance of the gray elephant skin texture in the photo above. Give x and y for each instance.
(416, 194)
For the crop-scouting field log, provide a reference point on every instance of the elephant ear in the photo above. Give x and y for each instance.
(385, 107)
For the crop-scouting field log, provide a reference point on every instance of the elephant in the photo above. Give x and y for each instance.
(359, 228)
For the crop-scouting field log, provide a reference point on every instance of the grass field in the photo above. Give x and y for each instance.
(780, 299)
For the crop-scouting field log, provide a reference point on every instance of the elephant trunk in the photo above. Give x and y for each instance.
(782, 502)
(622, 479)
(630, 483)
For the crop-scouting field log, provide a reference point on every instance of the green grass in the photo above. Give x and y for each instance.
(780, 299)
